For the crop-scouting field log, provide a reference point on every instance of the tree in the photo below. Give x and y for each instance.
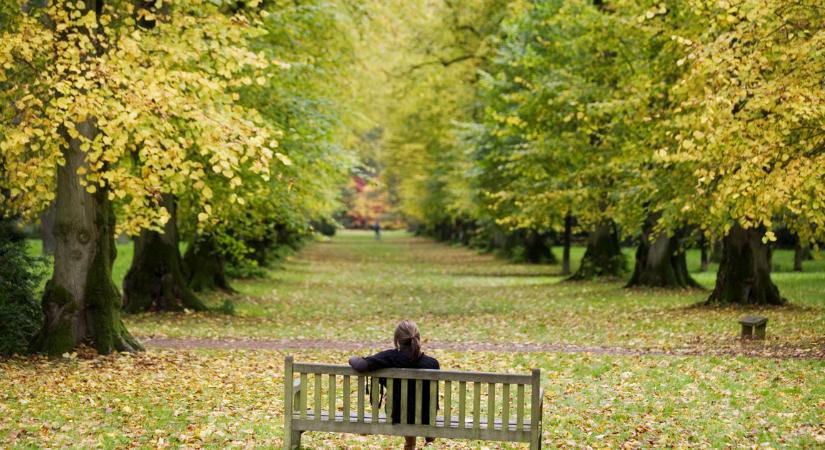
(112, 118)
(751, 136)
(554, 128)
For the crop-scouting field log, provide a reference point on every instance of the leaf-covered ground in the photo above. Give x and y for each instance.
(234, 398)
(354, 289)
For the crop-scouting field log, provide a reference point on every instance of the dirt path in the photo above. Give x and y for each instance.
(756, 350)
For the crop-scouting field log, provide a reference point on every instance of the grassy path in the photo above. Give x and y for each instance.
(354, 288)
(756, 350)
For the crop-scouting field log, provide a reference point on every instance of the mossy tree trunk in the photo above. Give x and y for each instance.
(568, 238)
(660, 260)
(744, 275)
(205, 266)
(155, 281)
(603, 256)
(81, 303)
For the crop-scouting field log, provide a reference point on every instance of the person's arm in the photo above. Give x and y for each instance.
(377, 361)
(359, 364)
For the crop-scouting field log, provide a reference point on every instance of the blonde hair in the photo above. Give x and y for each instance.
(406, 337)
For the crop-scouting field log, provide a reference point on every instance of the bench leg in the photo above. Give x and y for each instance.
(295, 440)
(760, 332)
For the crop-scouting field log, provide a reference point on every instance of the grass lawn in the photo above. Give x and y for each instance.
(355, 288)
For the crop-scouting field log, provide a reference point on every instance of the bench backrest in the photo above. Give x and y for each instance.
(495, 399)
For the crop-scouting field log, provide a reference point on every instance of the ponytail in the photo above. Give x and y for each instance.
(407, 338)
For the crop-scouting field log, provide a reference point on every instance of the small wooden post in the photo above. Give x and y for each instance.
(753, 327)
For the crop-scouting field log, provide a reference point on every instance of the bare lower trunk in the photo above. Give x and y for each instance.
(660, 261)
(603, 257)
(744, 275)
(568, 237)
(155, 281)
(81, 303)
(205, 266)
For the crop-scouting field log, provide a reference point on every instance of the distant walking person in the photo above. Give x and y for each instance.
(377, 227)
(407, 354)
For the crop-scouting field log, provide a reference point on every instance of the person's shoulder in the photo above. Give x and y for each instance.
(428, 362)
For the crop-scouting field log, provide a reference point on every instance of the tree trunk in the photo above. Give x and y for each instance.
(537, 249)
(798, 257)
(47, 230)
(155, 281)
(205, 266)
(568, 237)
(603, 256)
(81, 303)
(660, 262)
(800, 253)
(704, 257)
(744, 275)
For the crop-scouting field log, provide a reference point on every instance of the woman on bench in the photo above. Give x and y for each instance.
(406, 355)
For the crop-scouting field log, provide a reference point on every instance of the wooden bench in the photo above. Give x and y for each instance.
(500, 407)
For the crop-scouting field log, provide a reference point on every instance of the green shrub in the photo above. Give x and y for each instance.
(20, 274)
